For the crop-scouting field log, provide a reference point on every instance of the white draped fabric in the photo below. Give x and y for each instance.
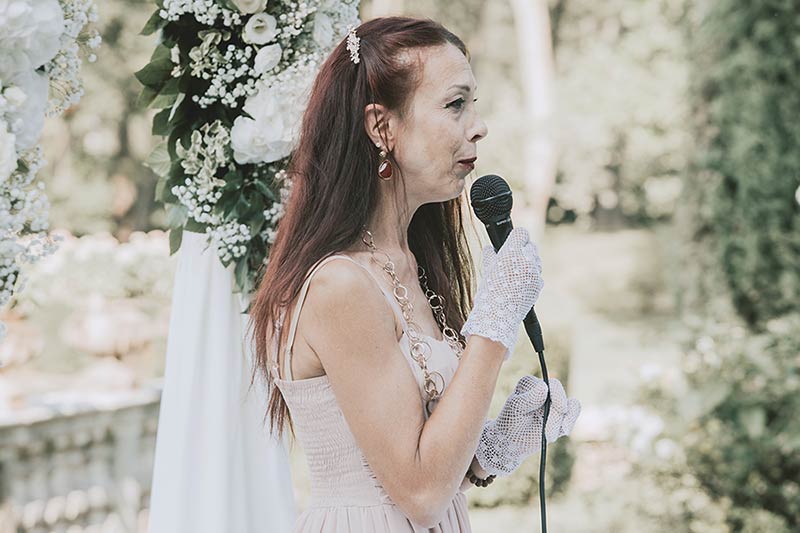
(216, 467)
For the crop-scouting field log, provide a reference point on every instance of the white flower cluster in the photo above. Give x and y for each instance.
(229, 240)
(39, 45)
(63, 70)
(259, 57)
(207, 152)
(205, 11)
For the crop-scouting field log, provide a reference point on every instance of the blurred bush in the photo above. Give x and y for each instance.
(744, 444)
(108, 299)
(734, 414)
(522, 486)
(746, 100)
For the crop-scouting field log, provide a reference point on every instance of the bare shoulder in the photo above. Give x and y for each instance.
(343, 300)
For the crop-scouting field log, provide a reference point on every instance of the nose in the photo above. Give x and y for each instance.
(478, 130)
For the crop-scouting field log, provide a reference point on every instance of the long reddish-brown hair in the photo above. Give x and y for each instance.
(335, 186)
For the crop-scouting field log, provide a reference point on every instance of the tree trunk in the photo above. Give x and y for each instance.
(532, 26)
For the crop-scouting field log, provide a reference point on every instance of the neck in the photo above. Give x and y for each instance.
(389, 227)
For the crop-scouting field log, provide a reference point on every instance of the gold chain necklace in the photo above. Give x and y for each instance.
(419, 348)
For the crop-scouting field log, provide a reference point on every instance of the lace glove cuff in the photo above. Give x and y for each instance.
(516, 433)
(510, 284)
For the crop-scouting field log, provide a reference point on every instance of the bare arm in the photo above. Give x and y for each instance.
(420, 464)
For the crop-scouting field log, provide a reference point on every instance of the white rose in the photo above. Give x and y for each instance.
(8, 155)
(28, 118)
(267, 58)
(250, 6)
(323, 30)
(30, 36)
(262, 138)
(260, 29)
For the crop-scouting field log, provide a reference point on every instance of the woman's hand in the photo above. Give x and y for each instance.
(510, 286)
(516, 433)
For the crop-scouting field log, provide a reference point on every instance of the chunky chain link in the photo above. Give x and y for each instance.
(420, 348)
(437, 305)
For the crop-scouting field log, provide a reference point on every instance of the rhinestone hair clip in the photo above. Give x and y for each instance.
(353, 44)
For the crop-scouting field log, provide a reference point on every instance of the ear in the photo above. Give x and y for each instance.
(380, 124)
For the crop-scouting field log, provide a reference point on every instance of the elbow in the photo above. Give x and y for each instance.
(429, 509)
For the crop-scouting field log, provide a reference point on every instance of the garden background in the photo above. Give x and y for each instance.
(659, 140)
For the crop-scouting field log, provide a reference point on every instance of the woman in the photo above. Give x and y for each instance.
(372, 234)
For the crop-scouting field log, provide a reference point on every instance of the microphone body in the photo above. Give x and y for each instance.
(498, 227)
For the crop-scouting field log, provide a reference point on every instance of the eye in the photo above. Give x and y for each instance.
(456, 104)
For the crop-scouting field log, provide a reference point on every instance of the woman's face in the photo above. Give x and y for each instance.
(441, 128)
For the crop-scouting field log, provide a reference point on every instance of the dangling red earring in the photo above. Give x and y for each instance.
(385, 169)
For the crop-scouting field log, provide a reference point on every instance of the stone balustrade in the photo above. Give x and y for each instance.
(78, 462)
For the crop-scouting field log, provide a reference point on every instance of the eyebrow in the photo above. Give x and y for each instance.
(464, 88)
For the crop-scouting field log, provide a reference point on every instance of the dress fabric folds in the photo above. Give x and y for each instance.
(346, 497)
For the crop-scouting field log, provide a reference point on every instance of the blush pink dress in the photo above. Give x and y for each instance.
(346, 497)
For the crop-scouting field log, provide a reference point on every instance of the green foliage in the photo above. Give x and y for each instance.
(522, 487)
(736, 421)
(746, 92)
(747, 447)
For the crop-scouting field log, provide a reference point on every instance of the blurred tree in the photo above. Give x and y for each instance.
(98, 147)
(620, 84)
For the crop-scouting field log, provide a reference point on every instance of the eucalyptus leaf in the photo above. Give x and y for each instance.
(158, 161)
(177, 215)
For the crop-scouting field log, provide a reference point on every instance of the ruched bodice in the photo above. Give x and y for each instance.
(345, 494)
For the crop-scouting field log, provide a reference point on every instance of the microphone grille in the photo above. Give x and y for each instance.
(490, 197)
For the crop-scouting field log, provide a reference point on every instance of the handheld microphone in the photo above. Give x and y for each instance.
(491, 200)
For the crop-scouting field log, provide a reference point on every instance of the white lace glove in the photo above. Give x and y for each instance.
(511, 283)
(516, 433)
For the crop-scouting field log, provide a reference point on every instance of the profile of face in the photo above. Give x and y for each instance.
(440, 129)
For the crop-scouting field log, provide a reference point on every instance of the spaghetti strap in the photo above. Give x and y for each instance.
(295, 318)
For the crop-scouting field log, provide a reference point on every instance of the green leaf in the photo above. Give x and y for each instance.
(241, 273)
(195, 226)
(164, 101)
(158, 161)
(257, 224)
(155, 74)
(154, 23)
(171, 87)
(164, 191)
(161, 125)
(161, 53)
(177, 216)
(264, 189)
(146, 97)
(175, 238)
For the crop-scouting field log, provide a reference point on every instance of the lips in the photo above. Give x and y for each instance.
(470, 161)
